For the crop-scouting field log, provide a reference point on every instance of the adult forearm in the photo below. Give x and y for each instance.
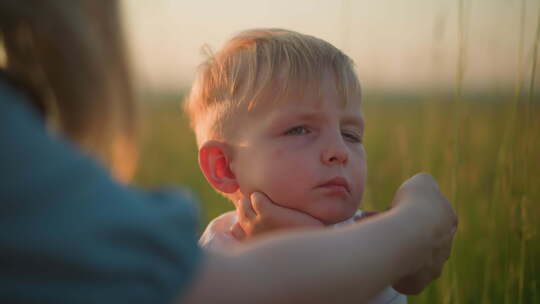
(321, 266)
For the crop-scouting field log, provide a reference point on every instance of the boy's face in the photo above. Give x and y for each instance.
(305, 153)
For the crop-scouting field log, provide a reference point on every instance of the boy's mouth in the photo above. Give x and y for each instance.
(336, 184)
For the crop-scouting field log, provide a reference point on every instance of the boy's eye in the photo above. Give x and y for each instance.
(299, 130)
(352, 137)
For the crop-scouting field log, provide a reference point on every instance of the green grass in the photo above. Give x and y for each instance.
(495, 181)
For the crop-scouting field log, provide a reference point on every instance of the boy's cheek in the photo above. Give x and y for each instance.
(277, 154)
(289, 190)
(284, 176)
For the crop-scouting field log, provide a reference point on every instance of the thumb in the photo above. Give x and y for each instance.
(262, 204)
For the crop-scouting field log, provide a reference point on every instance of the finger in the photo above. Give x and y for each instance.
(439, 260)
(262, 204)
(238, 232)
(448, 247)
(450, 210)
(420, 180)
(244, 209)
(274, 215)
(440, 256)
(426, 178)
(416, 184)
(437, 272)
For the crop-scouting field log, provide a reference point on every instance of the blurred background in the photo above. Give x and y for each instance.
(450, 87)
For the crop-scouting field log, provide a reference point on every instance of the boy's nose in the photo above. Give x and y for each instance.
(335, 155)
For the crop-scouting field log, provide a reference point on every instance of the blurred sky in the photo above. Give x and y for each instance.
(396, 44)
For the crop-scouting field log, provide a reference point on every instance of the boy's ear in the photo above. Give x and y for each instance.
(214, 160)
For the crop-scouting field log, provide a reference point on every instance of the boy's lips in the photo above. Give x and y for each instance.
(338, 184)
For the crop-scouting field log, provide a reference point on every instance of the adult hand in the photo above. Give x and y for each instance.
(258, 215)
(422, 194)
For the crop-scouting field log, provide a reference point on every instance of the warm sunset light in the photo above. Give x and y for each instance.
(270, 151)
(399, 44)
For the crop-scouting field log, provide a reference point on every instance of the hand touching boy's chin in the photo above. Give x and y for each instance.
(258, 215)
(327, 204)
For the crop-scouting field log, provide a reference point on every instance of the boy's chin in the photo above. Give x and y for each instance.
(331, 218)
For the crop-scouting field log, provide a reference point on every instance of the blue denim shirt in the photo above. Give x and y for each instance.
(70, 234)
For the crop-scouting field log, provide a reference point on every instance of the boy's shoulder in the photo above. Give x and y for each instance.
(217, 235)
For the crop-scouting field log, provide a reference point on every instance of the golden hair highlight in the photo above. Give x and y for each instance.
(263, 64)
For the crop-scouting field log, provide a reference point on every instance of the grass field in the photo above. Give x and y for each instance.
(484, 152)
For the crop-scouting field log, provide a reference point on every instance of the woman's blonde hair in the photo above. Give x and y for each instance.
(263, 64)
(69, 54)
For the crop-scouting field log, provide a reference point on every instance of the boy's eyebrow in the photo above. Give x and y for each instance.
(304, 115)
(354, 120)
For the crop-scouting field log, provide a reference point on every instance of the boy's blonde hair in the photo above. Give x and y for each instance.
(262, 64)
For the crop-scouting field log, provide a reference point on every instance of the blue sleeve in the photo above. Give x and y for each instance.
(70, 234)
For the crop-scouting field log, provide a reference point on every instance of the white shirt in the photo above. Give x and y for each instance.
(218, 237)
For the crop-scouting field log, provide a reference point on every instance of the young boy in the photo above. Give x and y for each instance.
(278, 112)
